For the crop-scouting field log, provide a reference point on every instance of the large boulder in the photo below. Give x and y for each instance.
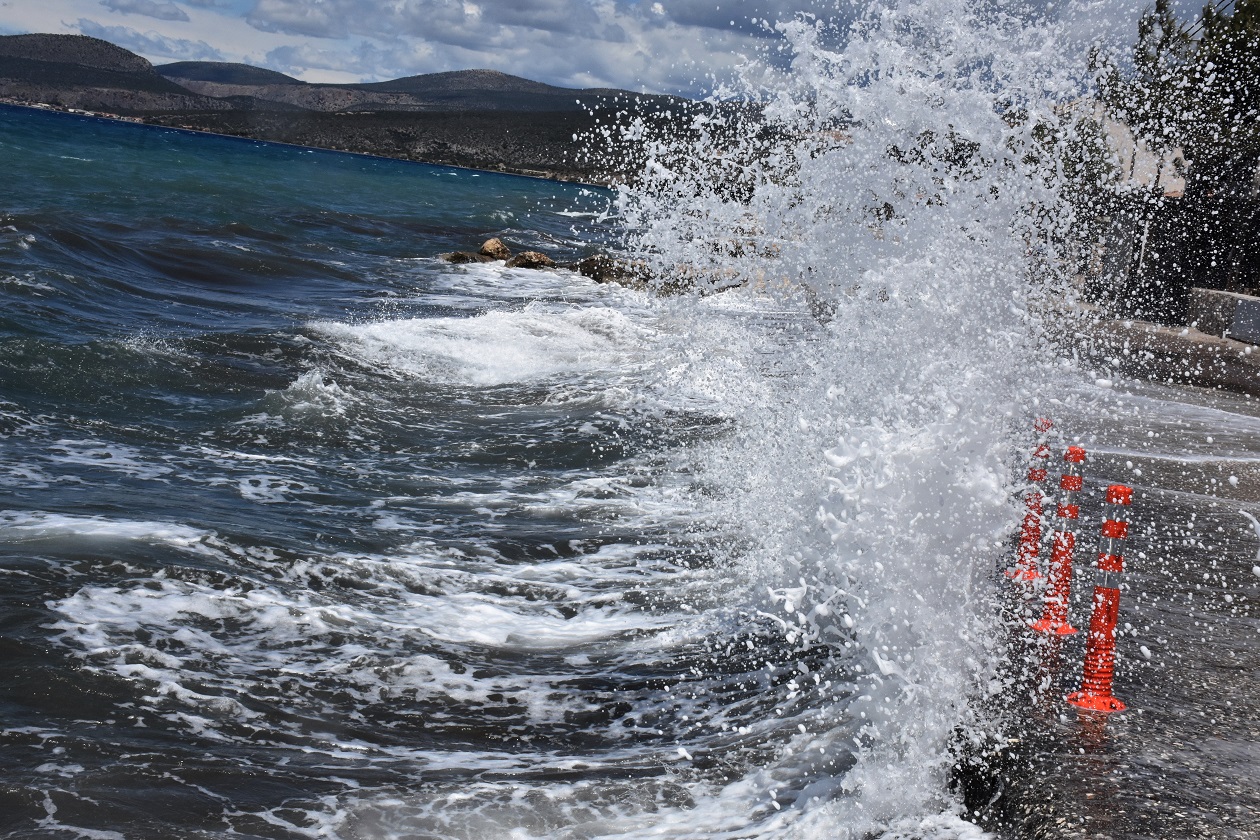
(495, 250)
(531, 259)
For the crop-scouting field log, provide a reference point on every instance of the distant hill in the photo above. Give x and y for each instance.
(490, 89)
(454, 81)
(458, 90)
(76, 71)
(225, 73)
(80, 50)
(476, 118)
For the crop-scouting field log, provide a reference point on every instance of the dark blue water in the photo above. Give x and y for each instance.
(304, 530)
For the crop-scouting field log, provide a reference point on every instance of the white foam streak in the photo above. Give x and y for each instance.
(20, 527)
(496, 348)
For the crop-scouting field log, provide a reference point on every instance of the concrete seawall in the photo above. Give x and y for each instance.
(1174, 355)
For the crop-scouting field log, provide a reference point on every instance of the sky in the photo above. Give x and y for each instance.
(656, 46)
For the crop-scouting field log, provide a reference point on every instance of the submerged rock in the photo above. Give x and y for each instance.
(495, 250)
(636, 274)
(531, 259)
(460, 257)
(605, 269)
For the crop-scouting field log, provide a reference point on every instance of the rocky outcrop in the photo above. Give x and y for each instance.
(531, 259)
(495, 250)
(463, 257)
(492, 250)
(605, 269)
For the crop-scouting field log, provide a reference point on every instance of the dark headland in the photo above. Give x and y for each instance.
(481, 119)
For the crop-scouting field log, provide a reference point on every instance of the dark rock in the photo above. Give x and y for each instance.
(495, 250)
(531, 259)
(605, 269)
(461, 257)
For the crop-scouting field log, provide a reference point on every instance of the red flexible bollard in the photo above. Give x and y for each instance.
(1030, 532)
(1100, 645)
(1059, 584)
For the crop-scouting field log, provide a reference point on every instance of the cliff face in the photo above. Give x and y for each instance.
(476, 118)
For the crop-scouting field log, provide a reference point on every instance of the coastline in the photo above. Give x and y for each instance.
(541, 175)
(1169, 355)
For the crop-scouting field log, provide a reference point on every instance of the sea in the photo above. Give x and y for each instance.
(308, 533)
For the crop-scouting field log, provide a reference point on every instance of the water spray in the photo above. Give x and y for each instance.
(1025, 568)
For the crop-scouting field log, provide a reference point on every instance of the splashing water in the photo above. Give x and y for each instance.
(900, 189)
(596, 564)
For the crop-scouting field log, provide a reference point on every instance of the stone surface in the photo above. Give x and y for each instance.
(495, 250)
(1225, 314)
(1245, 325)
(1174, 355)
(531, 259)
(605, 269)
(461, 257)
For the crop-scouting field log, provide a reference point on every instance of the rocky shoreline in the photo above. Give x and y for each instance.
(531, 150)
(1112, 346)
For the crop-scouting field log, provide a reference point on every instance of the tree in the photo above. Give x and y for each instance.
(1221, 131)
(1154, 99)
(1195, 87)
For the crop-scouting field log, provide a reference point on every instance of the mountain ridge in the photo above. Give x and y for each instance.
(224, 72)
(477, 89)
(476, 118)
(83, 50)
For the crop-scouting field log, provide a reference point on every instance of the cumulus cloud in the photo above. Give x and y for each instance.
(454, 21)
(669, 46)
(661, 46)
(365, 61)
(753, 17)
(150, 43)
(315, 18)
(148, 8)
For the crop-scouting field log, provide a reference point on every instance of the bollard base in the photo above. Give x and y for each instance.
(1054, 628)
(1095, 702)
